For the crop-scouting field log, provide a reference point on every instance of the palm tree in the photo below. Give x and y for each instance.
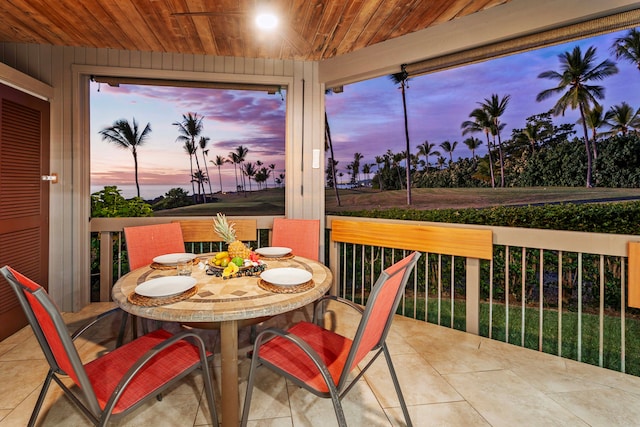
(532, 134)
(472, 144)
(622, 118)
(595, 119)
(356, 166)
(573, 83)
(219, 162)
(448, 148)
(233, 158)
(249, 169)
(402, 78)
(241, 153)
(366, 170)
(190, 149)
(204, 140)
(396, 159)
(379, 160)
(126, 136)
(481, 123)
(628, 47)
(272, 169)
(495, 108)
(189, 129)
(426, 149)
(199, 177)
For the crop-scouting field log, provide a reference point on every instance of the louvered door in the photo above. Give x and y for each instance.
(24, 196)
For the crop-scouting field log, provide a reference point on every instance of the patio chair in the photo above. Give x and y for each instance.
(119, 381)
(301, 235)
(321, 360)
(146, 242)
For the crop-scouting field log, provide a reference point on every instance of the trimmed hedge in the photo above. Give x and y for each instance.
(615, 218)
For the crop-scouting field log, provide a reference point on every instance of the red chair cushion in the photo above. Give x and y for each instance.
(105, 372)
(288, 357)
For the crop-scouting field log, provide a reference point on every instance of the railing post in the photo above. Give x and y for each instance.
(334, 266)
(106, 265)
(473, 296)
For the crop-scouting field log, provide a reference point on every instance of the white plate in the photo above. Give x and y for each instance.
(273, 251)
(172, 259)
(165, 286)
(286, 276)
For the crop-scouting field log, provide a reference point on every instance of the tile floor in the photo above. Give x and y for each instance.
(449, 378)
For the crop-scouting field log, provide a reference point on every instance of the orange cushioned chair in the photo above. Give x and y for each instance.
(116, 383)
(146, 242)
(321, 360)
(301, 235)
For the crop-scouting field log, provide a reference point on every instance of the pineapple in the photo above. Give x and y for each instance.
(225, 230)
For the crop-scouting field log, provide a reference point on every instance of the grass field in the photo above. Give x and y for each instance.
(271, 201)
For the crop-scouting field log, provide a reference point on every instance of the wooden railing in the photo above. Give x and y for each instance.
(514, 279)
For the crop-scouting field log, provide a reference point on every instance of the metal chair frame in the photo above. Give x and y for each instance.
(85, 398)
(338, 391)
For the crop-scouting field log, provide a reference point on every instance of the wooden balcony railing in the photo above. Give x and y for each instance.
(559, 292)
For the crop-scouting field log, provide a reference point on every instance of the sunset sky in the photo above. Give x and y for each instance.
(366, 117)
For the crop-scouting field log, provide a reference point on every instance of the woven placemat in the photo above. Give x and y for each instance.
(138, 299)
(280, 258)
(286, 289)
(157, 266)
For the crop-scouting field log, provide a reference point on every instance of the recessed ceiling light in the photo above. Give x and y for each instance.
(266, 20)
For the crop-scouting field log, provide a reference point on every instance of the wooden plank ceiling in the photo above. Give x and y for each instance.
(308, 29)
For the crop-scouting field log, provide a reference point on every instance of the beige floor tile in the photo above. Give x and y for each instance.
(270, 398)
(611, 408)
(25, 377)
(427, 387)
(273, 422)
(360, 408)
(504, 399)
(449, 378)
(453, 414)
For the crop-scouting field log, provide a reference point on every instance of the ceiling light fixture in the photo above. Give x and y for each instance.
(266, 19)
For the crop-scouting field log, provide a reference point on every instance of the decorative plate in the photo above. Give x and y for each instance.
(172, 259)
(273, 251)
(165, 286)
(286, 276)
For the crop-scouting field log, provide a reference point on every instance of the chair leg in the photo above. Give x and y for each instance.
(337, 407)
(396, 384)
(123, 328)
(208, 388)
(249, 392)
(43, 392)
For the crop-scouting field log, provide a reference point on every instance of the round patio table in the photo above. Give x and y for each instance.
(226, 304)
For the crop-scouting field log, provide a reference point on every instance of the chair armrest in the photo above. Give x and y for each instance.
(90, 323)
(322, 301)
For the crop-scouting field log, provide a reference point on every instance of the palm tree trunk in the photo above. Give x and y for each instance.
(493, 180)
(327, 135)
(135, 166)
(406, 134)
(193, 188)
(206, 168)
(586, 145)
(220, 178)
(501, 161)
